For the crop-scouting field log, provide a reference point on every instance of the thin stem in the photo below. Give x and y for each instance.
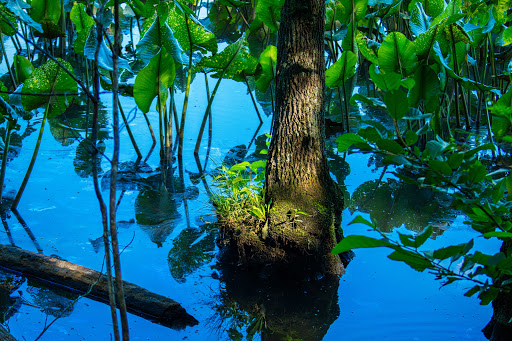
(33, 160)
(187, 92)
(7, 141)
(129, 131)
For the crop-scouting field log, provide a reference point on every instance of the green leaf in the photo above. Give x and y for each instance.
(358, 242)
(154, 80)
(23, 68)
(397, 54)
(507, 36)
(18, 8)
(449, 251)
(156, 37)
(105, 59)
(45, 9)
(455, 160)
(396, 104)
(423, 236)
(49, 79)
(348, 140)
(80, 18)
(384, 80)
(269, 12)
(440, 167)
(371, 101)
(426, 85)
(361, 220)
(200, 37)
(472, 291)
(434, 7)
(419, 20)
(233, 61)
(341, 70)
(7, 19)
(415, 261)
(367, 47)
(390, 146)
(268, 62)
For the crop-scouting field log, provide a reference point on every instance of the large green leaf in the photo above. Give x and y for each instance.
(345, 8)
(105, 58)
(18, 8)
(434, 7)
(45, 9)
(367, 47)
(23, 68)
(7, 21)
(396, 103)
(234, 60)
(397, 54)
(199, 37)
(425, 86)
(507, 36)
(158, 36)
(341, 70)
(155, 79)
(49, 79)
(384, 80)
(419, 21)
(268, 61)
(269, 12)
(80, 18)
(358, 242)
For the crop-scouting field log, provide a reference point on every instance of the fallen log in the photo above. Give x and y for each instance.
(77, 278)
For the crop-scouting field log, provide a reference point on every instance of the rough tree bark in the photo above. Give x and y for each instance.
(297, 176)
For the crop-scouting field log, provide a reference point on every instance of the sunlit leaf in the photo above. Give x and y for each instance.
(268, 61)
(419, 21)
(269, 12)
(341, 70)
(80, 18)
(23, 68)
(507, 36)
(7, 21)
(18, 8)
(397, 54)
(434, 7)
(154, 80)
(384, 80)
(49, 79)
(154, 39)
(189, 32)
(45, 9)
(358, 242)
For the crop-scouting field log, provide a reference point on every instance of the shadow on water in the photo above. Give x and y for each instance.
(275, 308)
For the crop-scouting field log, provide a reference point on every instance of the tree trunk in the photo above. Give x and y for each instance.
(66, 275)
(5, 336)
(302, 226)
(297, 175)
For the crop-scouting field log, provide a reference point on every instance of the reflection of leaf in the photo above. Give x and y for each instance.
(83, 159)
(190, 250)
(53, 302)
(63, 134)
(392, 204)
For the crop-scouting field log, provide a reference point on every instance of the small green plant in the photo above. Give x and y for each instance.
(239, 196)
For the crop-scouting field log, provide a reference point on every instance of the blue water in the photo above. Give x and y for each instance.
(378, 299)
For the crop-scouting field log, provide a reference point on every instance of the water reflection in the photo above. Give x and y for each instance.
(193, 248)
(392, 203)
(276, 308)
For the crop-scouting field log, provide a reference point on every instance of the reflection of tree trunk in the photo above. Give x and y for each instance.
(500, 327)
(286, 309)
(66, 275)
(298, 177)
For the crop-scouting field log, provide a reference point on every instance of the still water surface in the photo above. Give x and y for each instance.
(169, 249)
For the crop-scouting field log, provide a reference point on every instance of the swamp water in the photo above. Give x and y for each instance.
(169, 247)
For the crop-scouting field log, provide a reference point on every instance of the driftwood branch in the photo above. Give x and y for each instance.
(77, 278)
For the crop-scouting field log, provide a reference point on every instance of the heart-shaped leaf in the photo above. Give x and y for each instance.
(156, 37)
(268, 61)
(397, 54)
(48, 84)
(154, 80)
(341, 70)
